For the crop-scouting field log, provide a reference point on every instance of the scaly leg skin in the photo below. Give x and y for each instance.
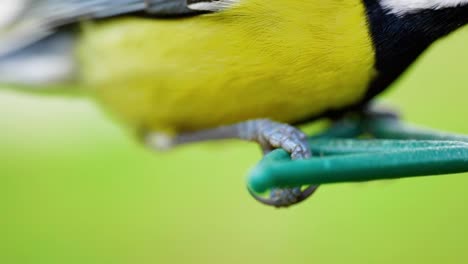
(268, 134)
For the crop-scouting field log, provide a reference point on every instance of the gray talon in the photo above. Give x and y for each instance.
(276, 135)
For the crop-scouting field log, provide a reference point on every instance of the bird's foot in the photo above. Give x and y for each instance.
(271, 135)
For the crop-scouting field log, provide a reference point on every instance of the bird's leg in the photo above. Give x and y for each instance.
(269, 135)
(378, 111)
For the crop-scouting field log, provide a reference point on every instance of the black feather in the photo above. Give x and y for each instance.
(400, 39)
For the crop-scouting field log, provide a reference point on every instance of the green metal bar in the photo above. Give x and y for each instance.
(358, 167)
(328, 147)
(395, 129)
(340, 157)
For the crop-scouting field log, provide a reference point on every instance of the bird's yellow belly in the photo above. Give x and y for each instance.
(210, 70)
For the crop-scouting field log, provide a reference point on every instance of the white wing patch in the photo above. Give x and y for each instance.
(402, 7)
(10, 10)
(213, 5)
(49, 61)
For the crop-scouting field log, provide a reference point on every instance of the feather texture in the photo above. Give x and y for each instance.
(32, 20)
(27, 29)
(286, 60)
(401, 7)
(212, 5)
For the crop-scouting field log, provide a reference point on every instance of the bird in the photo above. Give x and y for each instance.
(183, 71)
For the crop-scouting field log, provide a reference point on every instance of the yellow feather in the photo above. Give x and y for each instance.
(281, 59)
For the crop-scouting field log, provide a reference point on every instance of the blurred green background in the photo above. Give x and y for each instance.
(75, 187)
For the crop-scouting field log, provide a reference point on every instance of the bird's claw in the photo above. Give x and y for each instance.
(273, 135)
(304, 194)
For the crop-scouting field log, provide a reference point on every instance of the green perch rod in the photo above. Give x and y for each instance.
(344, 153)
